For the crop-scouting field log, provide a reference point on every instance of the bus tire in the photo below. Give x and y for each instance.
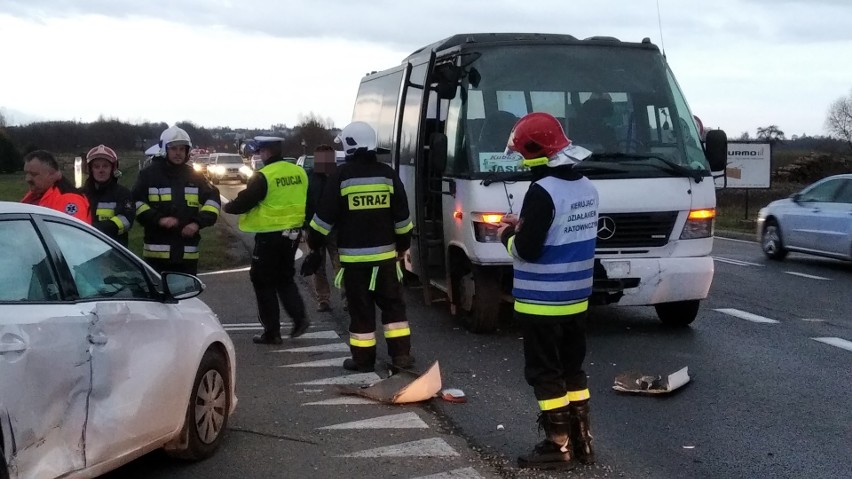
(482, 312)
(678, 314)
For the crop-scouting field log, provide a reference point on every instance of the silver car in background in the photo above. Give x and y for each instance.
(817, 220)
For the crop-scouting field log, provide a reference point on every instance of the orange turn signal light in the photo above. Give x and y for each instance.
(706, 214)
(457, 215)
(492, 218)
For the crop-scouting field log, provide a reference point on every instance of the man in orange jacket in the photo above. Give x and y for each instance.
(50, 189)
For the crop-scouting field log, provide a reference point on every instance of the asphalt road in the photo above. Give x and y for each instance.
(769, 396)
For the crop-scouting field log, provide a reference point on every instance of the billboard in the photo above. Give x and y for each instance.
(748, 166)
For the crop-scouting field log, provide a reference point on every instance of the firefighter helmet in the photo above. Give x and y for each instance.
(357, 136)
(539, 138)
(174, 136)
(103, 152)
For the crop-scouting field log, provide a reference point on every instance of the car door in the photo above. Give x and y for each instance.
(138, 385)
(805, 220)
(45, 366)
(839, 235)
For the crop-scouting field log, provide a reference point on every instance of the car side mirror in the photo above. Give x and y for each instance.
(179, 286)
(716, 149)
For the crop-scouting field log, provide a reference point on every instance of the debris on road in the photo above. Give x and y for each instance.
(639, 383)
(453, 395)
(403, 387)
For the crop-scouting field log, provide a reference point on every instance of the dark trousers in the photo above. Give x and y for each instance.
(186, 266)
(387, 295)
(272, 271)
(554, 354)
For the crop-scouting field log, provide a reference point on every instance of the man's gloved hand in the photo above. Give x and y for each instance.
(311, 264)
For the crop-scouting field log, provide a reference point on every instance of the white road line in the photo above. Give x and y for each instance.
(343, 401)
(809, 276)
(737, 262)
(836, 342)
(325, 348)
(733, 239)
(361, 378)
(406, 420)
(747, 316)
(466, 473)
(257, 325)
(322, 363)
(434, 447)
(225, 271)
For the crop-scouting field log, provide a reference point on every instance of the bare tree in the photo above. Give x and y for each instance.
(744, 136)
(839, 120)
(771, 133)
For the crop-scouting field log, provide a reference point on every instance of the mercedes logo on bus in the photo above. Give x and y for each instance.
(606, 228)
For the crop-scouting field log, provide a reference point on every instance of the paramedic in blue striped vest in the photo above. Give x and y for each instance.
(552, 244)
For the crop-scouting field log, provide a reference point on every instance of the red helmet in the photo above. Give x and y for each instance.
(104, 152)
(537, 135)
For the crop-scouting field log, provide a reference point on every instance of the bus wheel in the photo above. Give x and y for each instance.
(678, 314)
(480, 298)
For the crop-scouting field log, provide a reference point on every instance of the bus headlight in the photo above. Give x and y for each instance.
(485, 226)
(699, 224)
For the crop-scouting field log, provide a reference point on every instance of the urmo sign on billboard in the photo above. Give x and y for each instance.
(749, 166)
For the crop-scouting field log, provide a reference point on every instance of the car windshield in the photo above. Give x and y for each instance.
(229, 159)
(622, 103)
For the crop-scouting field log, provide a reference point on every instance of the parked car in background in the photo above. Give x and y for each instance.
(256, 162)
(225, 166)
(817, 220)
(290, 159)
(102, 360)
(306, 162)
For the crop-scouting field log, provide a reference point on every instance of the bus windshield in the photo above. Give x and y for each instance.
(620, 102)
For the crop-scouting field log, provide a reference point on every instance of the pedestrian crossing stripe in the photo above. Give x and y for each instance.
(406, 420)
(362, 378)
(325, 348)
(465, 473)
(836, 342)
(433, 447)
(322, 363)
(343, 401)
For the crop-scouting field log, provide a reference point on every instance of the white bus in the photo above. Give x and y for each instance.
(444, 115)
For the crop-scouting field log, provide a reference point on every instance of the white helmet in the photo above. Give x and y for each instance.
(357, 136)
(174, 136)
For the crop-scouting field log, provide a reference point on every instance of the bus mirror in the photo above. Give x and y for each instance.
(438, 151)
(448, 77)
(716, 149)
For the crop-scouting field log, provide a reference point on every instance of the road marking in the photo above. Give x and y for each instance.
(325, 348)
(342, 401)
(434, 447)
(734, 240)
(813, 320)
(322, 363)
(406, 420)
(737, 262)
(225, 271)
(361, 378)
(809, 276)
(747, 316)
(466, 473)
(836, 342)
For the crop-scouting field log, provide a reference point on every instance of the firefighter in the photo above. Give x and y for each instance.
(273, 207)
(173, 203)
(365, 203)
(50, 189)
(110, 203)
(552, 244)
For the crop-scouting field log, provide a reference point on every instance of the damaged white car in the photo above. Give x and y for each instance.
(101, 359)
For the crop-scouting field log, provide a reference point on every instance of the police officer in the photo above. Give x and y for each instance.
(173, 202)
(273, 207)
(110, 203)
(552, 244)
(364, 201)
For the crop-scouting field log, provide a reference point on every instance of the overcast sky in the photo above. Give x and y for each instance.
(251, 63)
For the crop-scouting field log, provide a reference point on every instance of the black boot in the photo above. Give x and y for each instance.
(581, 434)
(555, 451)
(299, 327)
(349, 364)
(267, 338)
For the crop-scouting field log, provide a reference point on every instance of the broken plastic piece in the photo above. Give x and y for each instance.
(403, 387)
(638, 383)
(453, 395)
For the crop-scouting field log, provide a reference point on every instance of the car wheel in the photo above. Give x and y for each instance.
(208, 410)
(771, 243)
(678, 314)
